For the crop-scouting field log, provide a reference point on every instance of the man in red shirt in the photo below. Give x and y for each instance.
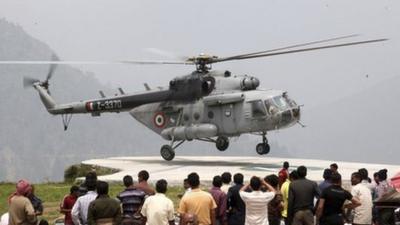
(68, 203)
(283, 173)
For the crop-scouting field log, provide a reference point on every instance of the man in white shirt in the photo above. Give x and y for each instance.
(363, 213)
(226, 182)
(257, 201)
(158, 209)
(80, 209)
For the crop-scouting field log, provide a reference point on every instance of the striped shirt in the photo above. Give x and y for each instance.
(81, 206)
(132, 199)
(256, 206)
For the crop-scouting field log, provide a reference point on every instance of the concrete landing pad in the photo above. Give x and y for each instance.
(207, 167)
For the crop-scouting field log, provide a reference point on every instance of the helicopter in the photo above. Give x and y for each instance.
(205, 105)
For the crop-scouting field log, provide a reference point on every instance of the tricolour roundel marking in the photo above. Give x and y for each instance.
(159, 120)
(89, 106)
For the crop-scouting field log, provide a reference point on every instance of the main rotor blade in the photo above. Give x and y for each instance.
(156, 62)
(287, 47)
(304, 50)
(32, 62)
(29, 81)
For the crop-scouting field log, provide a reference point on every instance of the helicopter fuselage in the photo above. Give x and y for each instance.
(230, 110)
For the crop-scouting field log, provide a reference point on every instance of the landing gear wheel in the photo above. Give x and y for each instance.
(262, 148)
(167, 152)
(222, 143)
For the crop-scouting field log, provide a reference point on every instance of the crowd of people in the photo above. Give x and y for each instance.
(285, 198)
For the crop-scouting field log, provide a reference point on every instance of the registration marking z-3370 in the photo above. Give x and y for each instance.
(104, 105)
(109, 104)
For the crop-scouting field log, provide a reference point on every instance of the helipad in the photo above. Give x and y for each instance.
(207, 167)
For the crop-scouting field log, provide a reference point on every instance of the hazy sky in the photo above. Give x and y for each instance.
(117, 30)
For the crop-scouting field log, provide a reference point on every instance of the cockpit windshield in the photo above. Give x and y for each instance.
(280, 102)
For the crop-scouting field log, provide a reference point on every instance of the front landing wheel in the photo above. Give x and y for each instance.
(167, 152)
(262, 148)
(222, 143)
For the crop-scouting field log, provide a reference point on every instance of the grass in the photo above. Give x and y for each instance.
(52, 194)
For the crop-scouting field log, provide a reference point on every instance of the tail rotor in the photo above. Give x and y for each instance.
(29, 81)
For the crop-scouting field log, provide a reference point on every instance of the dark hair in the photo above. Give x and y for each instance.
(327, 174)
(226, 177)
(217, 181)
(302, 171)
(334, 165)
(161, 186)
(357, 175)
(336, 178)
(286, 164)
(102, 188)
(272, 180)
(91, 181)
(238, 178)
(144, 175)
(73, 189)
(363, 173)
(294, 175)
(255, 183)
(128, 180)
(382, 174)
(193, 180)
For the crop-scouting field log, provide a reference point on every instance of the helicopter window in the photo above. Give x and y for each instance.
(210, 114)
(291, 102)
(280, 102)
(258, 109)
(270, 105)
(196, 116)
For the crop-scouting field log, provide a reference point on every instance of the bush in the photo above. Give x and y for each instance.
(80, 170)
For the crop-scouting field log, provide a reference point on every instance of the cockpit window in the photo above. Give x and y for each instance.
(281, 102)
(291, 102)
(258, 109)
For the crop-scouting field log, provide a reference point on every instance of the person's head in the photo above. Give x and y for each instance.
(255, 183)
(336, 179)
(334, 167)
(327, 174)
(293, 175)
(356, 178)
(91, 181)
(272, 180)
(193, 180)
(226, 178)
(382, 174)
(217, 181)
(190, 219)
(102, 188)
(74, 190)
(23, 188)
(363, 173)
(186, 183)
(302, 171)
(128, 181)
(238, 178)
(161, 186)
(376, 177)
(143, 175)
(286, 165)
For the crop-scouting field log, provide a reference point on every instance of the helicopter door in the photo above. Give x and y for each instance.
(228, 119)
